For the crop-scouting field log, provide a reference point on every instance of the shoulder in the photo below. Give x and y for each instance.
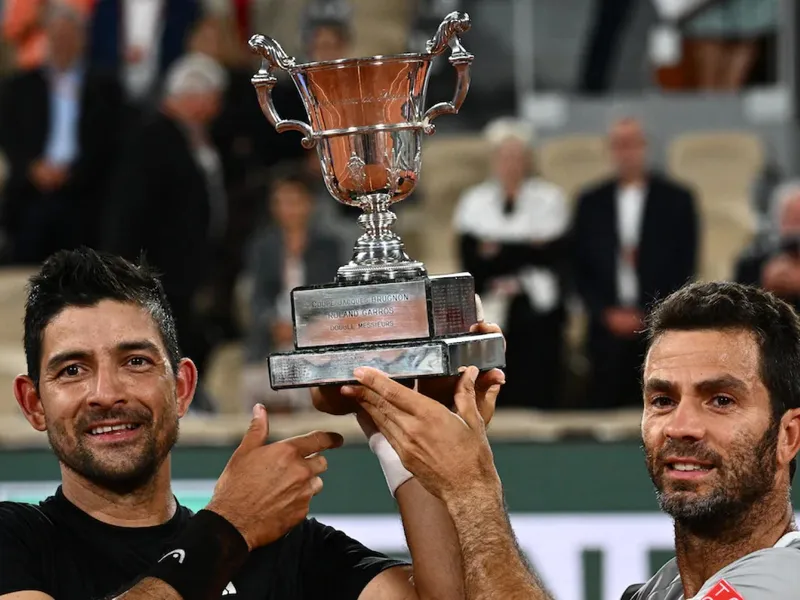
(477, 194)
(338, 548)
(471, 209)
(663, 584)
(23, 524)
(601, 189)
(14, 513)
(662, 183)
(762, 575)
(545, 189)
(23, 80)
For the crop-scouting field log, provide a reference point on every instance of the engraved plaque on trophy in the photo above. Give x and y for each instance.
(367, 121)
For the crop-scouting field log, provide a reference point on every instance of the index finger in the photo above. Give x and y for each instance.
(393, 392)
(314, 442)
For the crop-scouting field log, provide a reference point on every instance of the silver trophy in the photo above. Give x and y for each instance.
(367, 119)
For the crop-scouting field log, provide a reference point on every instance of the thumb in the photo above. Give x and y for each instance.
(256, 435)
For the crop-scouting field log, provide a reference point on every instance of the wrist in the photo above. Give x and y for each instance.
(487, 494)
(393, 470)
(229, 518)
(209, 551)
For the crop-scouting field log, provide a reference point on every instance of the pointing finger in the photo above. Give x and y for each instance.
(314, 442)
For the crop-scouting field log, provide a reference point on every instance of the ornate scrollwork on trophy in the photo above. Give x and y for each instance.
(453, 25)
(272, 52)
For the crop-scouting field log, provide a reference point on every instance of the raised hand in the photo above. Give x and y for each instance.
(448, 452)
(265, 490)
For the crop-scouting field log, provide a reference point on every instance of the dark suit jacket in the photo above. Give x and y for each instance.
(105, 36)
(667, 253)
(25, 126)
(265, 265)
(160, 204)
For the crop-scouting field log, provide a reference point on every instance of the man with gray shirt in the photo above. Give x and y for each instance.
(721, 429)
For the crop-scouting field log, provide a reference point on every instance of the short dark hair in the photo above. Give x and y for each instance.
(83, 278)
(293, 173)
(733, 306)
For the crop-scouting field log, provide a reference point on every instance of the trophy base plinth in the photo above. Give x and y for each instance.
(428, 358)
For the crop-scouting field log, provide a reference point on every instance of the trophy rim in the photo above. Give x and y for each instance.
(339, 62)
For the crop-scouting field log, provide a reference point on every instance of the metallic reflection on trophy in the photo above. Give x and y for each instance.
(367, 120)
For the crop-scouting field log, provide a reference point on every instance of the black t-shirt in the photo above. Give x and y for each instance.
(58, 549)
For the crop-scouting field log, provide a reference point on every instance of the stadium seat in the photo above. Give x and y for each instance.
(725, 160)
(224, 376)
(722, 168)
(380, 26)
(574, 162)
(450, 165)
(13, 282)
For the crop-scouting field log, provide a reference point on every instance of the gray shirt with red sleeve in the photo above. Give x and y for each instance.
(768, 574)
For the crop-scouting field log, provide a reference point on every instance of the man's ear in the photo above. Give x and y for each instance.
(789, 436)
(29, 401)
(186, 384)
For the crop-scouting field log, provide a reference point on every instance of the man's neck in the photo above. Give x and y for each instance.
(699, 558)
(632, 180)
(152, 504)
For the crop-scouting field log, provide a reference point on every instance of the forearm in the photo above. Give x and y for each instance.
(493, 563)
(433, 543)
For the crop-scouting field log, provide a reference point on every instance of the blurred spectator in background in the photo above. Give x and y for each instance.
(608, 25)
(326, 30)
(634, 240)
(775, 265)
(24, 28)
(340, 220)
(140, 39)
(511, 230)
(58, 127)
(247, 146)
(287, 254)
(725, 39)
(169, 195)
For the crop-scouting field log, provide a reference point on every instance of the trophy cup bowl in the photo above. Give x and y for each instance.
(367, 119)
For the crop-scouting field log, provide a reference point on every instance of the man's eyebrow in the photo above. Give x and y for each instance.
(720, 384)
(133, 345)
(707, 386)
(66, 356)
(659, 385)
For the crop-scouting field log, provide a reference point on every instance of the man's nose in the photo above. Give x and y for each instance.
(108, 388)
(686, 421)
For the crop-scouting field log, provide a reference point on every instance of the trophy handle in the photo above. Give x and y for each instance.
(274, 57)
(447, 36)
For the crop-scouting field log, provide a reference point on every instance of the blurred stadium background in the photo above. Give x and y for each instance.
(131, 123)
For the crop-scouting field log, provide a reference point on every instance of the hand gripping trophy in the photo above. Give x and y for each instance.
(367, 120)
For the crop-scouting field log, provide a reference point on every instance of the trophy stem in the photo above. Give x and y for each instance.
(379, 254)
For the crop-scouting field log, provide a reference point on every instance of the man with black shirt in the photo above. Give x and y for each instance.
(106, 382)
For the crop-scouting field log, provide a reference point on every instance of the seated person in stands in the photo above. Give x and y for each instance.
(511, 230)
(289, 253)
(775, 264)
